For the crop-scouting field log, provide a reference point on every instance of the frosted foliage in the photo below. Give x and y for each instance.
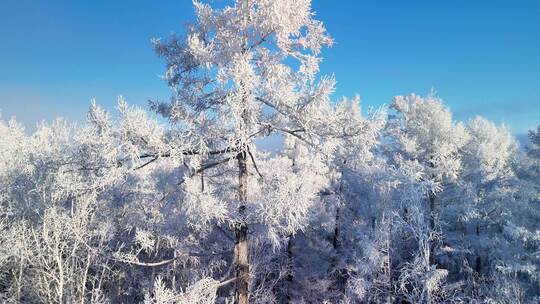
(425, 132)
(282, 200)
(201, 292)
(534, 137)
(489, 150)
(343, 205)
(228, 73)
(12, 141)
(201, 206)
(400, 204)
(144, 240)
(533, 160)
(355, 134)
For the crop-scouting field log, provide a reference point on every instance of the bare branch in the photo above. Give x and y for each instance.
(201, 169)
(221, 284)
(254, 163)
(147, 163)
(154, 264)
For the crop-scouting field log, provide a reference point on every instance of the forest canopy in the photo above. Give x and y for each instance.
(176, 203)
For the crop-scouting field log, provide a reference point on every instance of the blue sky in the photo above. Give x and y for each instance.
(482, 57)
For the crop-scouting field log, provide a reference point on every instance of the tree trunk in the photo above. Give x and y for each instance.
(339, 273)
(432, 227)
(478, 262)
(335, 239)
(334, 264)
(290, 262)
(241, 236)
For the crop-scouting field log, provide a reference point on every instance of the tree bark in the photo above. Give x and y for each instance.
(241, 246)
(478, 262)
(290, 262)
(335, 239)
(339, 273)
(432, 227)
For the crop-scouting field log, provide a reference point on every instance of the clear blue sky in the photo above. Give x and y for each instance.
(482, 57)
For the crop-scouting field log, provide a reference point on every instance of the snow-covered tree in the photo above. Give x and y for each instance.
(488, 188)
(424, 143)
(533, 160)
(233, 83)
(350, 207)
(422, 133)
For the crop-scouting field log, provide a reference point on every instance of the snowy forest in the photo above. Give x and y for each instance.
(178, 203)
